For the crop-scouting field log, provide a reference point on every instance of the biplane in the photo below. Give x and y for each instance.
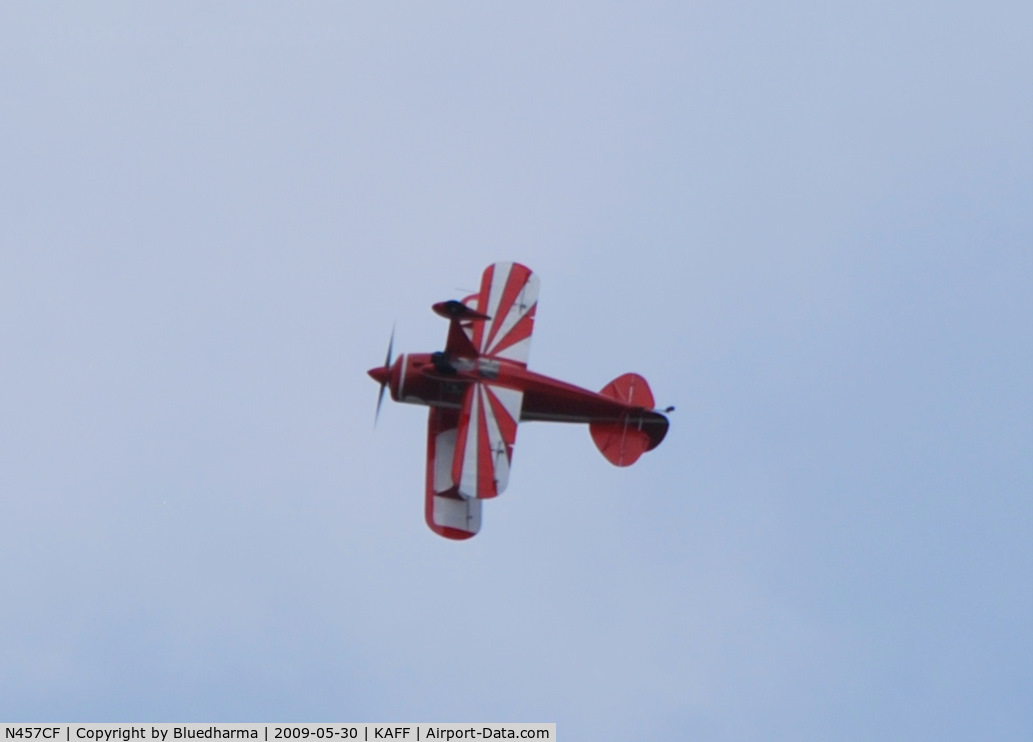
(479, 387)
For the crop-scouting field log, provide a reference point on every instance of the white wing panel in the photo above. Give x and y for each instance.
(460, 513)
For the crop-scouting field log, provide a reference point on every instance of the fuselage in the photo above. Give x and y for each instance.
(437, 380)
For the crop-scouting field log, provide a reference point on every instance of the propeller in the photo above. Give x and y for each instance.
(383, 375)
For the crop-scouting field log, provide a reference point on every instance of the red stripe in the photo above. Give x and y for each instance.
(482, 305)
(463, 435)
(453, 533)
(485, 456)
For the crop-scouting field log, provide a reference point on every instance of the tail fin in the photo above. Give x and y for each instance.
(640, 429)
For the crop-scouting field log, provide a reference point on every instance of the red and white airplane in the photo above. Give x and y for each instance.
(479, 388)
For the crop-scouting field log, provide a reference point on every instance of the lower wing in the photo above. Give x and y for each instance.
(448, 513)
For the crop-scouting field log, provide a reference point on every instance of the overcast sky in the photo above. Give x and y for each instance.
(809, 225)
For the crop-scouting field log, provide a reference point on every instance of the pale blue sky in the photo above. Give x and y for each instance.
(810, 227)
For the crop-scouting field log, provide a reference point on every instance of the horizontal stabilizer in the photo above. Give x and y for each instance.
(453, 309)
(640, 429)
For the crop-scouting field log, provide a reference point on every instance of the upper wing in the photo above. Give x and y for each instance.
(509, 296)
(484, 439)
(448, 513)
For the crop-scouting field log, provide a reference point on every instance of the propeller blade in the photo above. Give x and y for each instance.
(383, 384)
(380, 400)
